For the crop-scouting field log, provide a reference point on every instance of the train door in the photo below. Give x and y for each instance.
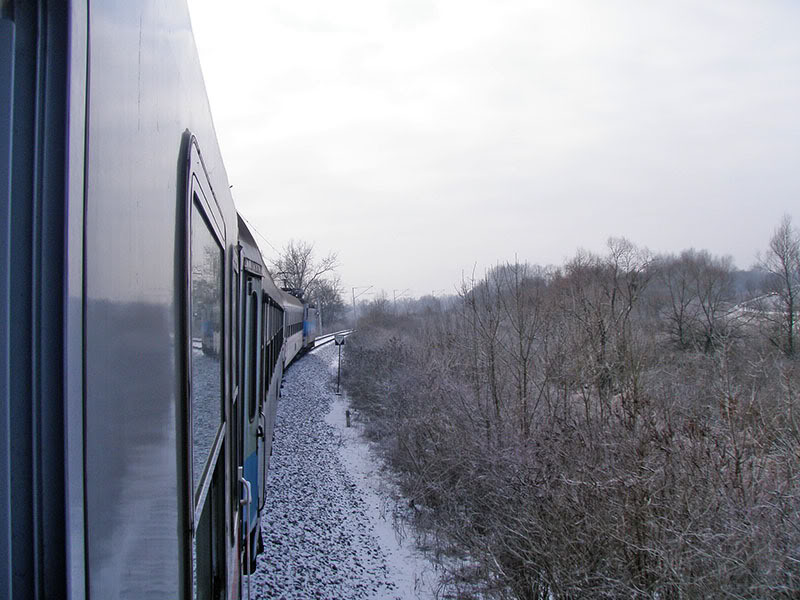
(262, 421)
(251, 404)
(205, 409)
(274, 337)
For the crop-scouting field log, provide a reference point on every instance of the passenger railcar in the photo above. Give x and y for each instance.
(143, 341)
(294, 310)
(259, 368)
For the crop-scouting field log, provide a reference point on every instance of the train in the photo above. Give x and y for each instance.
(143, 338)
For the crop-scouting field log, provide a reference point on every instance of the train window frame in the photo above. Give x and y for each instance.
(253, 399)
(234, 450)
(200, 481)
(235, 275)
(199, 199)
(208, 211)
(264, 344)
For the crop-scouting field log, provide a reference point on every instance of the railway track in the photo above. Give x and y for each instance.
(329, 337)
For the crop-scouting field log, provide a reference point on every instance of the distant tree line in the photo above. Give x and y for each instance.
(623, 426)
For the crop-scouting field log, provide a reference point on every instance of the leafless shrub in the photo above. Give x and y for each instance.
(547, 430)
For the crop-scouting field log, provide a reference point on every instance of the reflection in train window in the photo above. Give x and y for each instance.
(235, 325)
(253, 333)
(207, 302)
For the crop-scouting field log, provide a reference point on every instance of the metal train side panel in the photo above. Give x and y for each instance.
(146, 92)
(293, 326)
(6, 151)
(33, 175)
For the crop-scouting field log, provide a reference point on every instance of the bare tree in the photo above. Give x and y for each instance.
(599, 296)
(327, 295)
(699, 290)
(782, 265)
(521, 298)
(680, 310)
(297, 268)
(712, 280)
(483, 321)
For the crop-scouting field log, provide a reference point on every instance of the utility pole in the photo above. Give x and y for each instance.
(365, 289)
(400, 296)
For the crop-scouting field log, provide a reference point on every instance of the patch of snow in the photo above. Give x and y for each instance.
(413, 574)
(328, 526)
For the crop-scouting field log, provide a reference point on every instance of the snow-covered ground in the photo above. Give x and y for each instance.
(328, 526)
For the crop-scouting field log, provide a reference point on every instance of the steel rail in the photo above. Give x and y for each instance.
(329, 337)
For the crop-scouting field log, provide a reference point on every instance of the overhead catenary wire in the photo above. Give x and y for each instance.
(261, 235)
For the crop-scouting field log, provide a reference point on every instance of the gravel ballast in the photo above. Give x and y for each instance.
(326, 531)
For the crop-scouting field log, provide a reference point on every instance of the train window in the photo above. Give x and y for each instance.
(273, 341)
(253, 399)
(265, 347)
(206, 335)
(233, 448)
(235, 326)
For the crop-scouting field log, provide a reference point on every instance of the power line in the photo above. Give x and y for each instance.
(261, 235)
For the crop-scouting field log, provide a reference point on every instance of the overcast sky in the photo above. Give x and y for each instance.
(421, 138)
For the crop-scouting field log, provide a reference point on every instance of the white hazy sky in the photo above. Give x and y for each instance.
(419, 138)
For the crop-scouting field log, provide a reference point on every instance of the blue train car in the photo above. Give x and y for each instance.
(259, 368)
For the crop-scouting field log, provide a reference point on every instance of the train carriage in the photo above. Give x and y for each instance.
(122, 389)
(259, 343)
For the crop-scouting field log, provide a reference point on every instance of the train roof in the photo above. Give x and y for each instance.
(289, 300)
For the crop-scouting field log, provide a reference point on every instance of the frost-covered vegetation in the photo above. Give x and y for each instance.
(619, 427)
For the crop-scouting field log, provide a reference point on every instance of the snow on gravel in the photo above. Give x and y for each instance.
(328, 527)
